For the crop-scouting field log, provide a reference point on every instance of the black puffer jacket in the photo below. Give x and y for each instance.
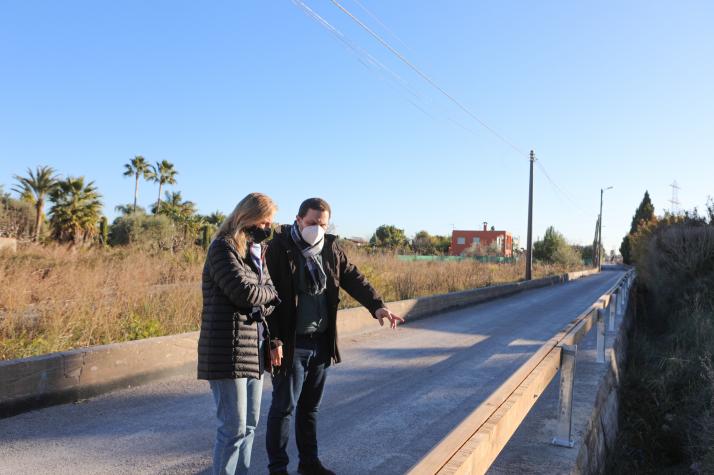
(228, 342)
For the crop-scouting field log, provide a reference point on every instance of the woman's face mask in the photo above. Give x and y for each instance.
(258, 234)
(313, 234)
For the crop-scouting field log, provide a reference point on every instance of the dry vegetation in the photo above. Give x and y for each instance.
(667, 412)
(53, 298)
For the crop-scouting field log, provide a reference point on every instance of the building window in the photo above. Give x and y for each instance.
(461, 240)
(477, 241)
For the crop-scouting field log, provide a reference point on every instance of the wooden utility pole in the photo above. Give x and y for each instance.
(599, 233)
(529, 244)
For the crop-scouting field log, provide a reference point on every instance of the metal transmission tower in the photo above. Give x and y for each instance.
(674, 202)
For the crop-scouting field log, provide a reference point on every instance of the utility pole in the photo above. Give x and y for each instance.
(599, 233)
(529, 244)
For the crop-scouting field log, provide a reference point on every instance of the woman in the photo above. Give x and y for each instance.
(237, 296)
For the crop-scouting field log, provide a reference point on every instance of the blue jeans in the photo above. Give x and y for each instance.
(301, 388)
(237, 410)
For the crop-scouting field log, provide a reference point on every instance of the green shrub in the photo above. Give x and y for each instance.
(17, 217)
(152, 232)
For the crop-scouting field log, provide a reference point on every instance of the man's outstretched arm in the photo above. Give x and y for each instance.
(356, 284)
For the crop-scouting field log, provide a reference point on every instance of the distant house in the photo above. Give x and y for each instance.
(481, 241)
(358, 241)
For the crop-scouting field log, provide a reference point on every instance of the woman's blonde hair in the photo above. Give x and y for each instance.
(251, 210)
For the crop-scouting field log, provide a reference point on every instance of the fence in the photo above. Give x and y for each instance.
(484, 259)
(475, 443)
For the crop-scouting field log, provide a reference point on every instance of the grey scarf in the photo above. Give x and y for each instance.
(317, 280)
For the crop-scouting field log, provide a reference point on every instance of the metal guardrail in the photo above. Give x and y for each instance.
(474, 444)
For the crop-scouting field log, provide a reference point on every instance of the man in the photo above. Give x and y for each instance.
(308, 268)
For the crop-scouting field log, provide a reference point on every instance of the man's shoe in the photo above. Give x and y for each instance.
(314, 469)
(280, 472)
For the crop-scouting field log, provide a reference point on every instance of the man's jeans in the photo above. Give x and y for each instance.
(300, 388)
(237, 409)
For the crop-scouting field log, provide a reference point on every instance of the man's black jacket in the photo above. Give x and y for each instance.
(283, 262)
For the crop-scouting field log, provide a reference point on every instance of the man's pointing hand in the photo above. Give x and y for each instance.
(393, 318)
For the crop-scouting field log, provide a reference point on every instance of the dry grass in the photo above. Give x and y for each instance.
(53, 298)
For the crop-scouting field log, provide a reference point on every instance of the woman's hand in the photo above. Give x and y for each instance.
(276, 356)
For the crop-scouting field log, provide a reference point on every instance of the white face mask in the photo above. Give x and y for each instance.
(312, 234)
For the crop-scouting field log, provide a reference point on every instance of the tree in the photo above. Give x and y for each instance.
(138, 167)
(545, 249)
(128, 209)
(16, 217)
(149, 232)
(34, 188)
(389, 236)
(163, 173)
(423, 243)
(426, 244)
(76, 209)
(182, 213)
(643, 214)
(173, 205)
(625, 250)
(587, 253)
(216, 218)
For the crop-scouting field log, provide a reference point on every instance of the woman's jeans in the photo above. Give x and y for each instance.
(237, 410)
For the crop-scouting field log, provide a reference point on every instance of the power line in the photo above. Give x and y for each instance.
(381, 23)
(372, 63)
(427, 78)
(449, 96)
(363, 56)
(424, 76)
(559, 189)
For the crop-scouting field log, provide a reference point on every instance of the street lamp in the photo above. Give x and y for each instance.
(599, 230)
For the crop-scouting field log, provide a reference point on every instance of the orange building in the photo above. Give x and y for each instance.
(480, 241)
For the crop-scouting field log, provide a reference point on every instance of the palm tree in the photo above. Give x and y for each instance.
(34, 188)
(182, 213)
(127, 209)
(137, 167)
(216, 218)
(174, 206)
(76, 210)
(164, 173)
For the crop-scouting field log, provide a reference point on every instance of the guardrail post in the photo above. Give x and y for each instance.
(600, 335)
(614, 299)
(563, 436)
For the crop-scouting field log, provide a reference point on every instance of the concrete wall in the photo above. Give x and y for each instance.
(57, 378)
(602, 428)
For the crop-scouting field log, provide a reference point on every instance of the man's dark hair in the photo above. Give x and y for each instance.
(314, 203)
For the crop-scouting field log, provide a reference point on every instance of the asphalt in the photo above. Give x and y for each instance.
(396, 394)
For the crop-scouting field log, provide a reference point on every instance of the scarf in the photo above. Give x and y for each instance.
(317, 280)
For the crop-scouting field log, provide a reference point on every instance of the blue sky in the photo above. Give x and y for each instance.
(256, 96)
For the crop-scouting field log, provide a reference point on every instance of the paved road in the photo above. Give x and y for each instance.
(395, 395)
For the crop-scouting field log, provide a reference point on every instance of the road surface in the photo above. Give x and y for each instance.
(396, 394)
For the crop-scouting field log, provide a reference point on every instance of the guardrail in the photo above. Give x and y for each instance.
(474, 444)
